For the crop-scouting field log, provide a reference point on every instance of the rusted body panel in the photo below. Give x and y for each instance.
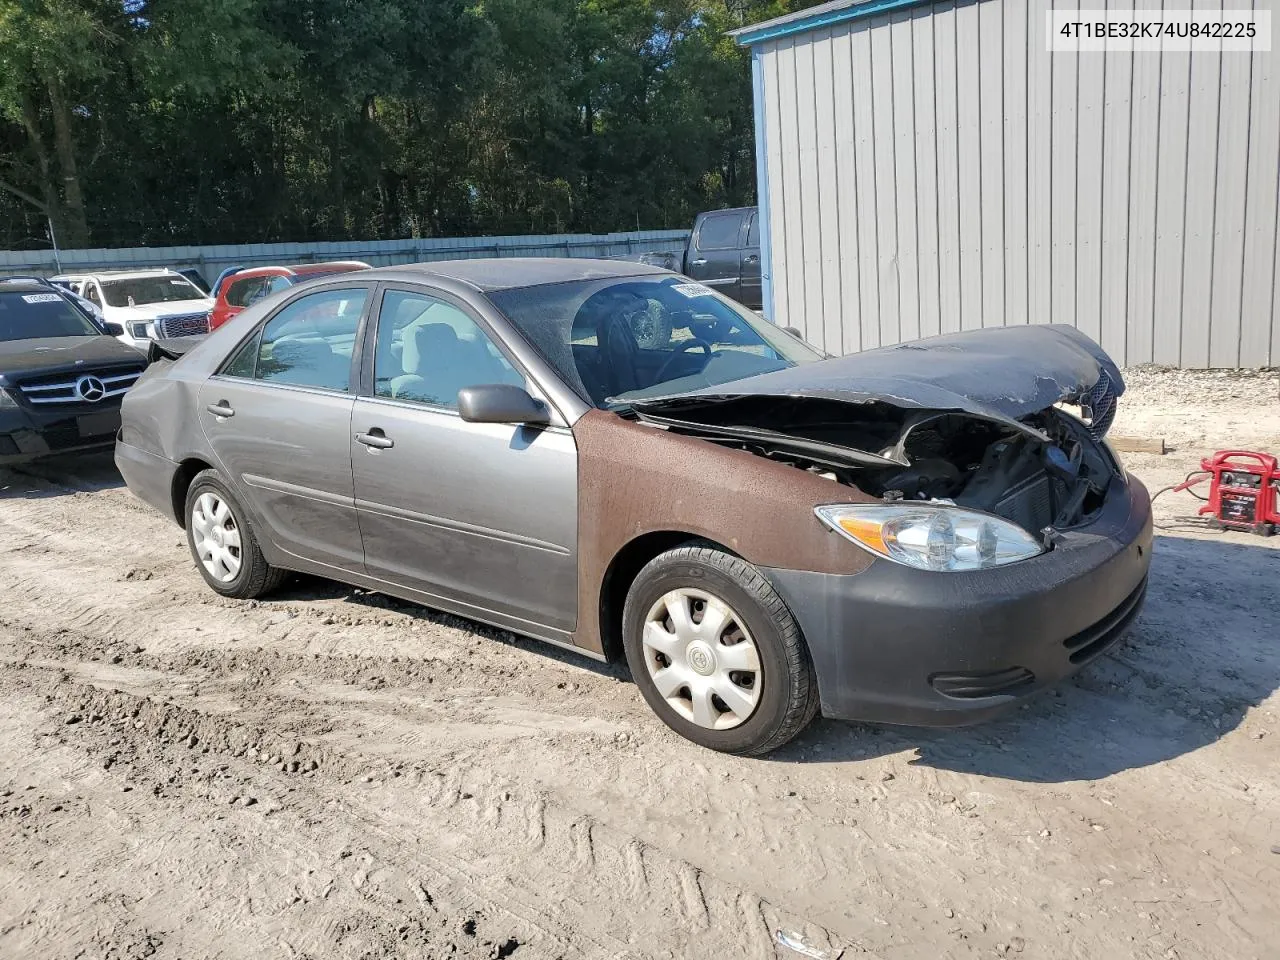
(635, 480)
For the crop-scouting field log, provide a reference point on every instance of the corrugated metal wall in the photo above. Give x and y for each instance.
(938, 169)
(379, 253)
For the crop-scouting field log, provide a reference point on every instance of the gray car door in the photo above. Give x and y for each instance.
(483, 516)
(278, 418)
(717, 252)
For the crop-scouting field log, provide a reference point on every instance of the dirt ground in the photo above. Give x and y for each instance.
(333, 774)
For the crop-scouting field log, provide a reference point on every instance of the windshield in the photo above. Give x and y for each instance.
(30, 316)
(142, 290)
(628, 338)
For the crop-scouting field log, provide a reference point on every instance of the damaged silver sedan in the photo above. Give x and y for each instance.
(611, 458)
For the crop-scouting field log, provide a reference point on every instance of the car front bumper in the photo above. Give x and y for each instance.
(26, 436)
(897, 645)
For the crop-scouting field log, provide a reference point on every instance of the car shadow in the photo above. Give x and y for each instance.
(60, 476)
(302, 587)
(1203, 653)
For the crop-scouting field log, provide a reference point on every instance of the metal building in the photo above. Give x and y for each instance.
(927, 167)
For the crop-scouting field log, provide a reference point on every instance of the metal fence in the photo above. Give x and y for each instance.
(211, 260)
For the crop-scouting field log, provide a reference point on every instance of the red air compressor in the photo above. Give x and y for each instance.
(1244, 493)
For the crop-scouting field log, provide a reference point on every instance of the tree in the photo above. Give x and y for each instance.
(66, 65)
(150, 122)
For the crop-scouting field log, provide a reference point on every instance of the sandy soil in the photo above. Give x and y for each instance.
(334, 774)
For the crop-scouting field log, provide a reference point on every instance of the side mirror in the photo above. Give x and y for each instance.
(501, 403)
(113, 329)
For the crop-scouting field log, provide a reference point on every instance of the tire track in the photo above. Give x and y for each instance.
(563, 853)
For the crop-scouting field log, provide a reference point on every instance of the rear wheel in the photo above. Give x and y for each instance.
(716, 653)
(222, 543)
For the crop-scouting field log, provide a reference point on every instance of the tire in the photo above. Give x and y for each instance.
(762, 708)
(238, 568)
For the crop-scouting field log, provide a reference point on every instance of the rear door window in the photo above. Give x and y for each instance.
(720, 231)
(309, 343)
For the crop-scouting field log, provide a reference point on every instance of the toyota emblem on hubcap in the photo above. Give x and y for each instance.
(701, 659)
(90, 389)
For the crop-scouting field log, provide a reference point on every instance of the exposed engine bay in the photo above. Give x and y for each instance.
(971, 418)
(1050, 474)
(1036, 484)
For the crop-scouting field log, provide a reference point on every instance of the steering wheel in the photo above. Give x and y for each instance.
(684, 347)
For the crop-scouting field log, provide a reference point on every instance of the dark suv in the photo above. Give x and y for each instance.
(61, 377)
(723, 253)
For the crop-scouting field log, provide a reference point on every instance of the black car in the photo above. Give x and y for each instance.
(61, 377)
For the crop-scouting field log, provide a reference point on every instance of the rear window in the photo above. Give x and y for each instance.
(30, 316)
(720, 231)
(136, 291)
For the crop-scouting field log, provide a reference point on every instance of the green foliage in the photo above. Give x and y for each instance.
(132, 122)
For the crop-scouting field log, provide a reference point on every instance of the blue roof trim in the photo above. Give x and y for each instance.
(751, 36)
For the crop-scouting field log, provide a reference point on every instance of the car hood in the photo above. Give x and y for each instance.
(27, 356)
(1001, 374)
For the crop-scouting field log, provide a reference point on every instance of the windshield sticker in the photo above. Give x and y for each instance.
(178, 283)
(42, 298)
(691, 290)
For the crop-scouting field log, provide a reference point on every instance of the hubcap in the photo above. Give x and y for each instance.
(217, 537)
(702, 659)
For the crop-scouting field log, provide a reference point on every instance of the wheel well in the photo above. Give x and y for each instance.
(628, 562)
(187, 471)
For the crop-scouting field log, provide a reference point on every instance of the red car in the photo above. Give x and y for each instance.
(247, 286)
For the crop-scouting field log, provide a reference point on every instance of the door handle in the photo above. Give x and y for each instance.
(222, 410)
(752, 259)
(375, 439)
(700, 262)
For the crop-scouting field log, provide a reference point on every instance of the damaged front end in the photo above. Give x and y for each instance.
(974, 420)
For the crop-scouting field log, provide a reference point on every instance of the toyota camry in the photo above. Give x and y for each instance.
(609, 457)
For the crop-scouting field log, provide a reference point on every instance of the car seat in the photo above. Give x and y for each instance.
(620, 353)
(308, 362)
(438, 364)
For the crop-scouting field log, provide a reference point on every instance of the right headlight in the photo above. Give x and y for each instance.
(931, 536)
(141, 329)
(6, 400)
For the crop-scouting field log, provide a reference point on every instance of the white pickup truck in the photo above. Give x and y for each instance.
(146, 303)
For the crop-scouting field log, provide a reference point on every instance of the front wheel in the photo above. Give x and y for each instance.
(222, 543)
(716, 653)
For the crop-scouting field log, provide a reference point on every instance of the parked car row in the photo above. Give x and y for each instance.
(146, 303)
(142, 306)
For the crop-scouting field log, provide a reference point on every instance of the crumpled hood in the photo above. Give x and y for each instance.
(999, 373)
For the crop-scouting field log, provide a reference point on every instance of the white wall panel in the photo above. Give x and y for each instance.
(936, 169)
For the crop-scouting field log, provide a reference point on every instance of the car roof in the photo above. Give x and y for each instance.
(504, 273)
(117, 275)
(27, 286)
(299, 270)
